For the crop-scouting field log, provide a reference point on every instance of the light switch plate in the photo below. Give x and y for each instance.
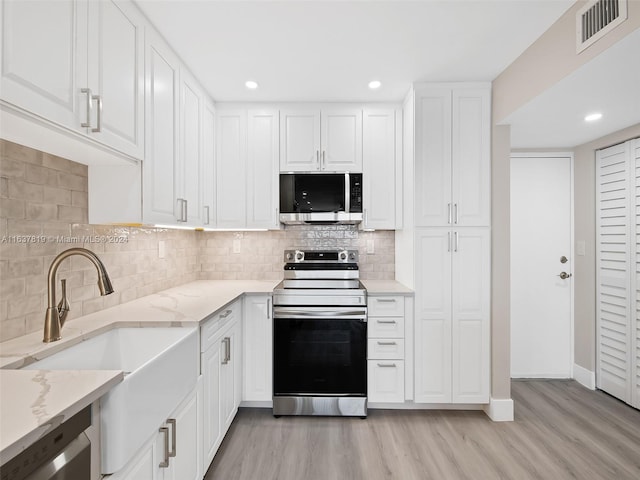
(161, 249)
(581, 248)
(371, 246)
(236, 245)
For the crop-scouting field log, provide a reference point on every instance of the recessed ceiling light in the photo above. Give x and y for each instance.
(250, 84)
(592, 117)
(374, 84)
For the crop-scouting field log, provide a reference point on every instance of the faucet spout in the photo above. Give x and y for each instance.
(55, 315)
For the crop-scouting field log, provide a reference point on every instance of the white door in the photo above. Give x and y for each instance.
(190, 174)
(541, 235)
(231, 169)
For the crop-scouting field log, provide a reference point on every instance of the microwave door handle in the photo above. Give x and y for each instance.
(347, 193)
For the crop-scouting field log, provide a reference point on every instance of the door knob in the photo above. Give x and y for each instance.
(563, 259)
(564, 275)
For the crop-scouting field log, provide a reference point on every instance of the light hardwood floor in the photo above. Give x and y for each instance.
(561, 431)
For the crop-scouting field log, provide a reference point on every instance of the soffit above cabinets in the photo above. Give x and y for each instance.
(331, 50)
(608, 84)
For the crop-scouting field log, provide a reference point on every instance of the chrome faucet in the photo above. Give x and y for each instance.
(57, 314)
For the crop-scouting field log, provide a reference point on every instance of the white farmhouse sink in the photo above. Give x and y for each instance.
(161, 368)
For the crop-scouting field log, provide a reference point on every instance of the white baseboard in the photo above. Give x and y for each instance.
(584, 377)
(500, 409)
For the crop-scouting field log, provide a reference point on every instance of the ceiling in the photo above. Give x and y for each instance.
(609, 84)
(301, 50)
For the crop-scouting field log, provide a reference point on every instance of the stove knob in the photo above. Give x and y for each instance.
(299, 256)
(343, 255)
(289, 257)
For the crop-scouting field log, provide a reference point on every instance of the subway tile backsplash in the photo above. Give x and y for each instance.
(43, 211)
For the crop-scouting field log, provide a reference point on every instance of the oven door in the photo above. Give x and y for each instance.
(320, 351)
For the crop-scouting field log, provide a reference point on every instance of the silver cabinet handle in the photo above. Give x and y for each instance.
(226, 341)
(206, 214)
(387, 365)
(268, 309)
(172, 422)
(186, 206)
(183, 210)
(455, 207)
(229, 349)
(318, 159)
(225, 314)
(386, 321)
(449, 213)
(456, 242)
(386, 300)
(324, 162)
(386, 343)
(98, 99)
(165, 462)
(87, 92)
(448, 241)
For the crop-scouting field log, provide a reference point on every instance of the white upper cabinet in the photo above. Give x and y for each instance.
(87, 78)
(231, 168)
(116, 75)
(160, 204)
(299, 140)
(321, 140)
(208, 164)
(190, 167)
(262, 163)
(452, 152)
(379, 168)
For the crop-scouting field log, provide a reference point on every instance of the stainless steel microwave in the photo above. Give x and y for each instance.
(320, 198)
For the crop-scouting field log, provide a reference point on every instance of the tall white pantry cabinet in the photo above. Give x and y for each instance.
(447, 207)
(617, 266)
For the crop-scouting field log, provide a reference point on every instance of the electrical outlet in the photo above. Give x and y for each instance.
(371, 247)
(581, 247)
(161, 249)
(237, 245)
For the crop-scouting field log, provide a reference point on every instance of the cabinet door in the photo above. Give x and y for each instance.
(341, 140)
(433, 204)
(208, 165)
(211, 413)
(385, 381)
(231, 169)
(299, 140)
(185, 465)
(262, 164)
(116, 75)
(379, 168)
(144, 466)
(471, 161)
(190, 172)
(471, 279)
(162, 121)
(44, 59)
(432, 348)
(257, 364)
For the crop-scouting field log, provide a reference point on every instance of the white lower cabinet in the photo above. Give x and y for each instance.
(257, 360)
(221, 366)
(452, 355)
(173, 452)
(386, 349)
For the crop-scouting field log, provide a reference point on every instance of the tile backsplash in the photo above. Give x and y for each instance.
(44, 210)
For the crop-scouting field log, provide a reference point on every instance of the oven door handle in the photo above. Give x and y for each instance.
(337, 314)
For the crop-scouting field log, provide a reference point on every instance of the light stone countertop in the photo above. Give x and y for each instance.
(34, 402)
(386, 287)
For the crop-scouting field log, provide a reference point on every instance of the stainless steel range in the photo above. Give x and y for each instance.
(320, 335)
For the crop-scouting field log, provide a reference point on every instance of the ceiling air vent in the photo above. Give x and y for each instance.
(596, 19)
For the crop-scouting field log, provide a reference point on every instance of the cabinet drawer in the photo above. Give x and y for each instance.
(385, 327)
(385, 348)
(385, 381)
(211, 328)
(386, 306)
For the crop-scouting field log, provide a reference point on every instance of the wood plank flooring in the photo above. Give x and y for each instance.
(561, 431)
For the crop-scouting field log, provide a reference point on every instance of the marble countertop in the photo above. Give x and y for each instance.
(34, 402)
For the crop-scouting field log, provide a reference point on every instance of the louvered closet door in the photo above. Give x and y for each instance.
(615, 183)
(635, 329)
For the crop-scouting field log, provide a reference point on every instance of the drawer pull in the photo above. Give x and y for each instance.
(386, 321)
(387, 365)
(225, 314)
(387, 343)
(386, 300)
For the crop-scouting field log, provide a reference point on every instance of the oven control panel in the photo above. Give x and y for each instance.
(321, 256)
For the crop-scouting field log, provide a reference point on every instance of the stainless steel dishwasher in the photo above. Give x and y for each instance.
(62, 454)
